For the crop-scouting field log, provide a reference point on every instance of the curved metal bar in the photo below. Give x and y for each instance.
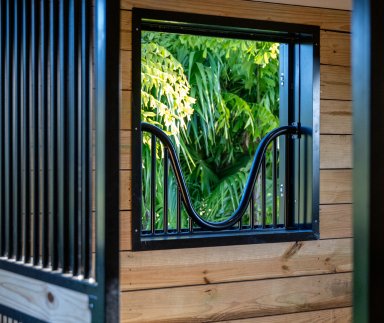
(247, 193)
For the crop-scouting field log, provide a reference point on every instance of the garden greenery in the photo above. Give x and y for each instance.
(216, 98)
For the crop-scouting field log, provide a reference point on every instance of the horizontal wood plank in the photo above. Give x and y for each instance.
(230, 301)
(125, 190)
(126, 110)
(335, 117)
(337, 315)
(44, 301)
(196, 266)
(126, 70)
(335, 151)
(335, 48)
(335, 186)
(335, 221)
(335, 82)
(337, 20)
(125, 230)
(125, 149)
(125, 30)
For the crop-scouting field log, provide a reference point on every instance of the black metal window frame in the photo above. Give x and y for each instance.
(299, 91)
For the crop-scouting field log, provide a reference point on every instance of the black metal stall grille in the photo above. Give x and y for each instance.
(54, 89)
(46, 148)
(251, 213)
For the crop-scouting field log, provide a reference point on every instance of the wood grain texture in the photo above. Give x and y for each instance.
(335, 117)
(335, 82)
(126, 70)
(125, 230)
(335, 151)
(335, 48)
(125, 149)
(43, 301)
(125, 30)
(230, 301)
(338, 315)
(335, 186)
(328, 19)
(125, 190)
(335, 221)
(198, 266)
(126, 110)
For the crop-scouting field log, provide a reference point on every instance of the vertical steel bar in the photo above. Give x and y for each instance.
(153, 184)
(53, 102)
(73, 135)
(86, 143)
(165, 187)
(263, 193)
(178, 211)
(36, 124)
(44, 132)
(252, 210)
(190, 224)
(63, 128)
(26, 131)
(274, 183)
(2, 126)
(8, 131)
(17, 225)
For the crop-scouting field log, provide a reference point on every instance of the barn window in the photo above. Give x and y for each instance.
(225, 131)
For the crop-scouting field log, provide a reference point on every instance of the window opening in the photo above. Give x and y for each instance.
(219, 118)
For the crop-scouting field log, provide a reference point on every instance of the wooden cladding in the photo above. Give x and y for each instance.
(283, 282)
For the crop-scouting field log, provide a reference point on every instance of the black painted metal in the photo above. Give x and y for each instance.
(53, 160)
(44, 133)
(26, 128)
(368, 159)
(107, 93)
(2, 127)
(258, 162)
(46, 116)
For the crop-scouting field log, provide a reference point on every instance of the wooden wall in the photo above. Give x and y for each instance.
(281, 282)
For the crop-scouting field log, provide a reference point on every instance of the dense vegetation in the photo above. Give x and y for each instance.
(216, 98)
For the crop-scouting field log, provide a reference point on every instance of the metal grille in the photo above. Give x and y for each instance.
(250, 214)
(45, 135)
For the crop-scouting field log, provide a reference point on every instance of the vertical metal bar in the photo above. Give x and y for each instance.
(289, 212)
(17, 224)
(86, 144)
(2, 126)
(190, 224)
(263, 193)
(153, 184)
(252, 210)
(63, 128)
(53, 102)
(73, 136)
(274, 183)
(107, 72)
(36, 124)
(26, 131)
(44, 133)
(165, 187)
(8, 131)
(178, 211)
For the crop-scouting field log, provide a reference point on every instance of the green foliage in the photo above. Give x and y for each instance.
(217, 98)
